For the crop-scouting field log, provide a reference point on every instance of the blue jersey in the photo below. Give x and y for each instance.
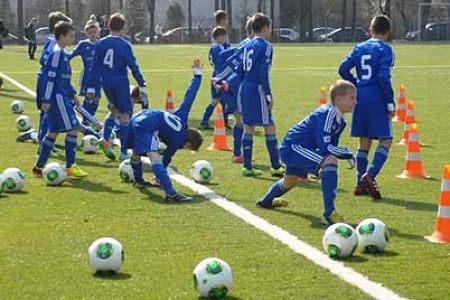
(257, 63)
(319, 131)
(231, 61)
(214, 52)
(49, 44)
(373, 60)
(113, 55)
(85, 49)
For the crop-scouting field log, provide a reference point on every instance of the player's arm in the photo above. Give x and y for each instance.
(131, 63)
(323, 133)
(191, 92)
(44, 54)
(264, 73)
(384, 78)
(167, 156)
(53, 68)
(93, 78)
(347, 64)
(76, 51)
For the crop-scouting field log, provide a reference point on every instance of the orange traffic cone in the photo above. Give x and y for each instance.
(400, 114)
(409, 119)
(441, 233)
(413, 166)
(220, 137)
(169, 101)
(323, 96)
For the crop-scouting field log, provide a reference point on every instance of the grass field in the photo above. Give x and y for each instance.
(45, 231)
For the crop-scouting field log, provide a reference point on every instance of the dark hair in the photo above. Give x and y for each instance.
(194, 137)
(116, 22)
(220, 15)
(62, 28)
(248, 26)
(381, 24)
(55, 17)
(218, 31)
(259, 21)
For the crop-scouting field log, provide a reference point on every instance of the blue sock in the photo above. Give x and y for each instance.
(329, 187)
(88, 130)
(45, 150)
(124, 129)
(276, 190)
(137, 170)
(94, 106)
(108, 126)
(164, 179)
(380, 157)
(272, 147)
(247, 146)
(88, 105)
(208, 113)
(238, 131)
(42, 126)
(361, 164)
(71, 149)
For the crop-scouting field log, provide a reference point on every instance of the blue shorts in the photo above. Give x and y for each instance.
(117, 92)
(300, 161)
(61, 116)
(370, 116)
(142, 141)
(41, 85)
(255, 107)
(231, 96)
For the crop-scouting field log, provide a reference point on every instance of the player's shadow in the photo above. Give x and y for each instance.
(409, 204)
(106, 164)
(112, 276)
(315, 221)
(385, 253)
(157, 198)
(407, 236)
(354, 259)
(226, 298)
(91, 186)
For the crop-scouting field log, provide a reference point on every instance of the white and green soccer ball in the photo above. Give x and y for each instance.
(13, 180)
(202, 171)
(106, 255)
(213, 278)
(54, 174)
(90, 144)
(17, 107)
(126, 171)
(1, 184)
(340, 240)
(23, 123)
(373, 235)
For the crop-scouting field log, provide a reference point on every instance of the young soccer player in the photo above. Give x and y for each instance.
(373, 60)
(311, 146)
(148, 127)
(219, 35)
(256, 96)
(57, 103)
(221, 18)
(113, 55)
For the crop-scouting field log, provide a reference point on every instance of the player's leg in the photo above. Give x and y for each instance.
(124, 119)
(125, 107)
(238, 132)
(46, 146)
(361, 164)
(277, 190)
(329, 180)
(247, 147)
(272, 147)
(209, 109)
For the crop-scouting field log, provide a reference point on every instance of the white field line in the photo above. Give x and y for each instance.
(371, 288)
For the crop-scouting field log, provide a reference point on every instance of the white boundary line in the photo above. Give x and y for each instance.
(371, 288)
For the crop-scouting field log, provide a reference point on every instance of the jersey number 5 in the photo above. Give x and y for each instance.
(366, 67)
(248, 60)
(109, 57)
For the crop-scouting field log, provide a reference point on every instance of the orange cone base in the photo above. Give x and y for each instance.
(411, 174)
(438, 238)
(221, 147)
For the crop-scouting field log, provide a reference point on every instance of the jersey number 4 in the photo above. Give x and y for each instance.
(248, 60)
(109, 57)
(366, 66)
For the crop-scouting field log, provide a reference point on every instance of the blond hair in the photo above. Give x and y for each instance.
(340, 88)
(91, 24)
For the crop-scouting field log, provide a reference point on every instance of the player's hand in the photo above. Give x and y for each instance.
(197, 67)
(90, 96)
(392, 114)
(351, 163)
(98, 126)
(269, 101)
(76, 102)
(45, 107)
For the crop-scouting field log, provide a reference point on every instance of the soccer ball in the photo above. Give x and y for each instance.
(105, 255)
(373, 235)
(17, 107)
(13, 180)
(213, 278)
(23, 123)
(340, 240)
(202, 171)
(1, 184)
(54, 174)
(90, 144)
(126, 171)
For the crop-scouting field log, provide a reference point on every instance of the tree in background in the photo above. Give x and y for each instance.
(136, 15)
(175, 16)
(8, 16)
(151, 25)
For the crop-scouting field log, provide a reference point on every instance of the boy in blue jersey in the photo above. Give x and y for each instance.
(373, 60)
(256, 96)
(148, 127)
(58, 103)
(86, 49)
(113, 55)
(311, 146)
(219, 35)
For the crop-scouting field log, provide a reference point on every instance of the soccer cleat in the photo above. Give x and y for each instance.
(26, 136)
(205, 127)
(332, 219)
(142, 185)
(123, 156)
(37, 171)
(371, 186)
(75, 171)
(277, 172)
(106, 148)
(251, 173)
(360, 191)
(155, 182)
(277, 202)
(179, 198)
(238, 159)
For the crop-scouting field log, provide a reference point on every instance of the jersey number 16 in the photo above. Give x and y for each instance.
(248, 60)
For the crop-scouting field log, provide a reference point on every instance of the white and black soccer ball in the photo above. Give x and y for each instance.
(13, 180)
(373, 235)
(126, 171)
(23, 123)
(90, 144)
(106, 255)
(17, 107)
(202, 171)
(340, 240)
(213, 278)
(54, 174)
